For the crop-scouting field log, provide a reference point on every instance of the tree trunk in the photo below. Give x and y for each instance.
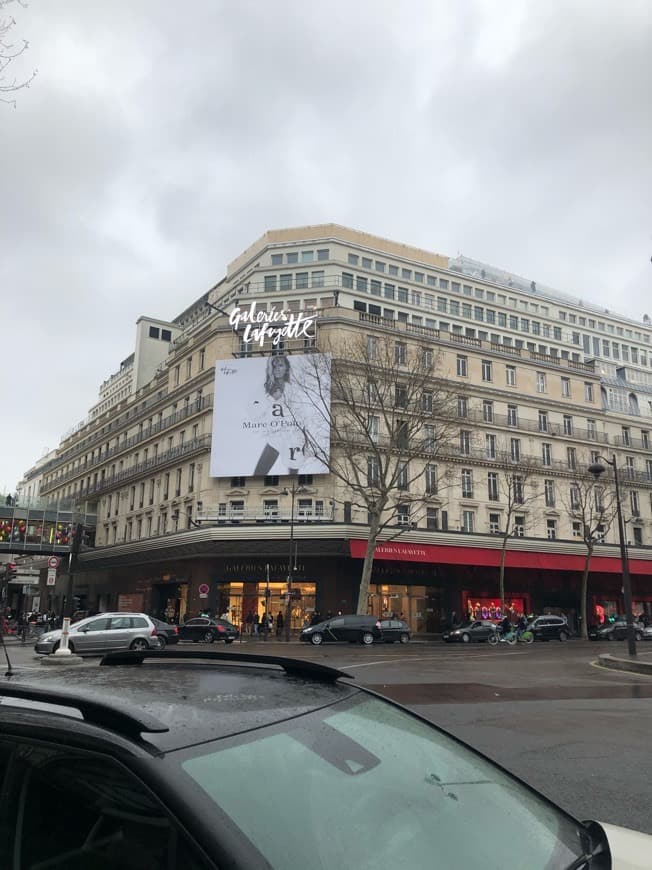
(368, 565)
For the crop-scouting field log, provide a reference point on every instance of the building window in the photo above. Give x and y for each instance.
(487, 374)
(638, 536)
(427, 401)
(236, 482)
(492, 485)
(430, 477)
(429, 439)
(488, 411)
(541, 382)
(634, 503)
(373, 471)
(177, 375)
(629, 466)
(270, 508)
(515, 449)
(347, 280)
(432, 519)
(591, 430)
(551, 529)
(462, 406)
(568, 425)
(271, 480)
(402, 434)
(546, 454)
(462, 366)
(270, 282)
(574, 493)
(494, 524)
(373, 428)
(510, 376)
(626, 436)
(571, 458)
(400, 396)
(517, 489)
(588, 392)
(323, 254)
(490, 445)
(549, 490)
(154, 332)
(467, 483)
(468, 522)
(189, 367)
(427, 357)
(645, 439)
(400, 353)
(519, 526)
(543, 421)
(465, 442)
(403, 514)
(177, 489)
(512, 415)
(403, 476)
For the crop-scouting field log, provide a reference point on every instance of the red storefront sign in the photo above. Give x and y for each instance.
(481, 556)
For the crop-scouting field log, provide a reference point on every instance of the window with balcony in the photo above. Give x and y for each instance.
(488, 411)
(634, 503)
(490, 446)
(270, 508)
(373, 428)
(626, 436)
(518, 489)
(429, 439)
(543, 421)
(546, 454)
(512, 415)
(462, 406)
(515, 449)
(403, 476)
(591, 430)
(465, 442)
(373, 471)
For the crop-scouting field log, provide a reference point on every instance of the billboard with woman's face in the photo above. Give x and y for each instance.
(271, 416)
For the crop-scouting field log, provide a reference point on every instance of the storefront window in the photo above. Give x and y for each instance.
(419, 606)
(240, 597)
(490, 608)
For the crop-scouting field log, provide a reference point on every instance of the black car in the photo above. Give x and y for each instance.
(394, 630)
(208, 630)
(616, 630)
(165, 632)
(199, 760)
(355, 629)
(468, 632)
(549, 627)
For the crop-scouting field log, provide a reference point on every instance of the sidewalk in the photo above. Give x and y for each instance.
(640, 664)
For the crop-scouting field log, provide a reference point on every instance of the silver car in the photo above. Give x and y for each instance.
(104, 632)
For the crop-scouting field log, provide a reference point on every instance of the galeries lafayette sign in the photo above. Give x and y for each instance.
(256, 326)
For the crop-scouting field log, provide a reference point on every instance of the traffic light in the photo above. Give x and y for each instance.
(11, 572)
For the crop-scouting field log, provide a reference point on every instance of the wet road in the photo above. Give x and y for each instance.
(578, 733)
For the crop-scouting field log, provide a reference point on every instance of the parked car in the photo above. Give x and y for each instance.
(206, 629)
(152, 762)
(476, 630)
(395, 630)
(102, 633)
(351, 627)
(549, 627)
(165, 632)
(617, 630)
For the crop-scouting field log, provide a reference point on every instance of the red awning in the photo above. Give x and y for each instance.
(446, 554)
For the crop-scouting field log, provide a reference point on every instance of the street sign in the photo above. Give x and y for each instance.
(203, 590)
(52, 577)
(54, 562)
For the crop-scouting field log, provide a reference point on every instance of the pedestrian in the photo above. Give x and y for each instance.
(279, 623)
(256, 624)
(505, 625)
(316, 618)
(249, 622)
(226, 616)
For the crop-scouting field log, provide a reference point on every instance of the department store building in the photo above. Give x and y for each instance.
(546, 381)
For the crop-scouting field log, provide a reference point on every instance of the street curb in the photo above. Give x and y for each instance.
(616, 664)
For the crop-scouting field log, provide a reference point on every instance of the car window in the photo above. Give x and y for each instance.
(197, 621)
(97, 625)
(74, 810)
(139, 622)
(358, 762)
(338, 622)
(121, 622)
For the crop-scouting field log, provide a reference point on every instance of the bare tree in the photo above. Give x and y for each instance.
(10, 50)
(593, 507)
(389, 418)
(517, 491)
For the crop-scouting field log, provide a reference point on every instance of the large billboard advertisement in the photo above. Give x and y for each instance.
(271, 416)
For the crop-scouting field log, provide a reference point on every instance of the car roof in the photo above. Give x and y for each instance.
(140, 694)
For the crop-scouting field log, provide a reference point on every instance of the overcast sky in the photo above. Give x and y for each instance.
(160, 139)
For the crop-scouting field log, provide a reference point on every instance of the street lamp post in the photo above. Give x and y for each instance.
(596, 470)
(288, 607)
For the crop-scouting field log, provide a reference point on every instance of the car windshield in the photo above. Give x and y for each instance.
(364, 785)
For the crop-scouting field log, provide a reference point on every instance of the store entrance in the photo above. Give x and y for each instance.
(239, 598)
(170, 602)
(419, 606)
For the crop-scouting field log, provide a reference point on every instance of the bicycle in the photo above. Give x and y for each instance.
(512, 637)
